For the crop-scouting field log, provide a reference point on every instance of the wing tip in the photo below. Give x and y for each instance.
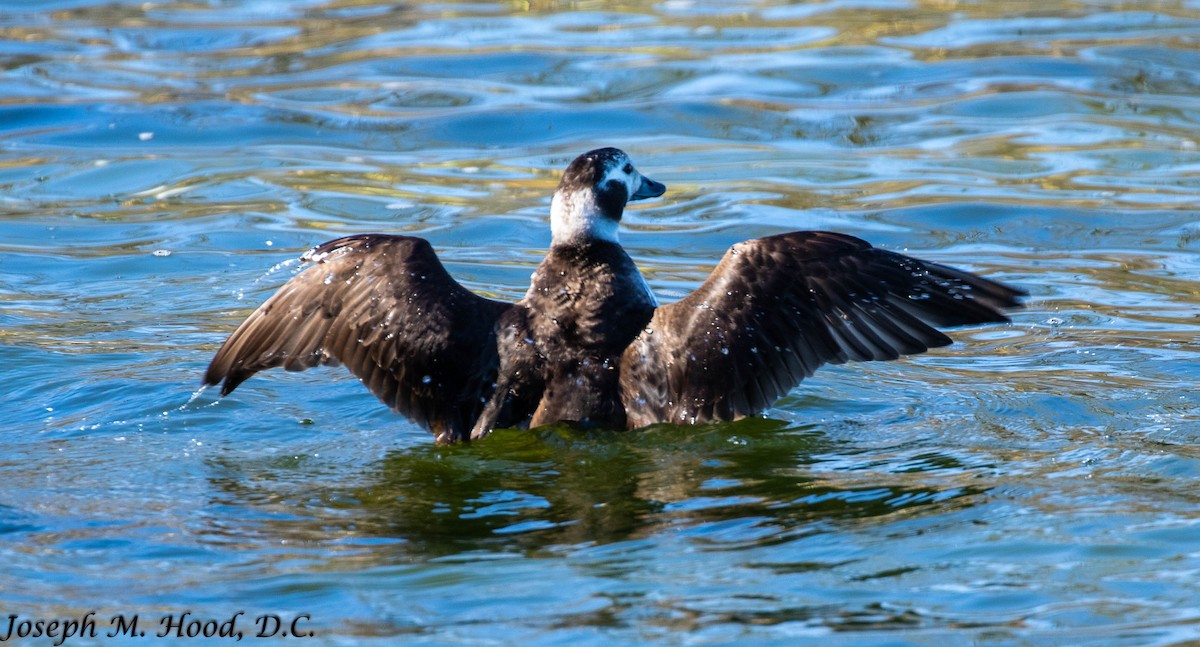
(227, 376)
(213, 375)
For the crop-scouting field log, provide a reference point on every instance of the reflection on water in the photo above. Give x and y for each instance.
(531, 492)
(162, 165)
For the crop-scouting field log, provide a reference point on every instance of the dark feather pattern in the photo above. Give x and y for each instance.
(776, 309)
(385, 307)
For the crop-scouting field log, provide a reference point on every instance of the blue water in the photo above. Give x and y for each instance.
(162, 164)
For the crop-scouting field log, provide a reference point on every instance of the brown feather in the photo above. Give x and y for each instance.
(789, 304)
(385, 307)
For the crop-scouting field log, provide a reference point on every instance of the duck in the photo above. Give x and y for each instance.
(589, 344)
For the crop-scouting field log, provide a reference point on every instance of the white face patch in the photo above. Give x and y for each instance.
(623, 172)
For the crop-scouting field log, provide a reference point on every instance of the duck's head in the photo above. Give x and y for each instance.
(592, 196)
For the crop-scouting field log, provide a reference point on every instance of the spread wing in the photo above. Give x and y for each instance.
(385, 307)
(776, 309)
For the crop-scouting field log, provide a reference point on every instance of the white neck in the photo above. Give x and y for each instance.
(575, 217)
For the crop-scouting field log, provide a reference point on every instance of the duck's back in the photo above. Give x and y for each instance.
(586, 304)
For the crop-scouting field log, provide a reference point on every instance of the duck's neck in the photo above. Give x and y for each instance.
(575, 218)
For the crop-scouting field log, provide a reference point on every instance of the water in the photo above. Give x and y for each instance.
(162, 163)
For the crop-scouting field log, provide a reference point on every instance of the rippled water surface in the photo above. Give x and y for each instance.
(161, 163)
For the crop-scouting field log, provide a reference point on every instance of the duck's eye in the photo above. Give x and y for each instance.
(628, 168)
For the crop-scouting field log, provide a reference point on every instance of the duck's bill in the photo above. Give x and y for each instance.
(648, 189)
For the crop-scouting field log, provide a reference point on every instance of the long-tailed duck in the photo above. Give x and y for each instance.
(588, 343)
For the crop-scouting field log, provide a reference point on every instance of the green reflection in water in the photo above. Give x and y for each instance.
(549, 489)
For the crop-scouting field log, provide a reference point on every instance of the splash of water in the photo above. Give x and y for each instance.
(240, 293)
(276, 268)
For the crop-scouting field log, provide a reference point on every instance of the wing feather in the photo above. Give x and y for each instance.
(776, 309)
(385, 307)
